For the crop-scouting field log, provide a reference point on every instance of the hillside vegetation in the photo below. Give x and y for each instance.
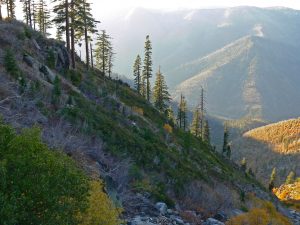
(273, 146)
(110, 130)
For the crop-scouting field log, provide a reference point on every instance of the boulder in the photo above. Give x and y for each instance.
(212, 221)
(138, 220)
(161, 207)
(221, 217)
(48, 73)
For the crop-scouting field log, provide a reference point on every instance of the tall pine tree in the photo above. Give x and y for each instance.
(206, 132)
(43, 17)
(137, 73)
(147, 68)
(161, 95)
(103, 52)
(181, 114)
(225, 140)
(195, 126)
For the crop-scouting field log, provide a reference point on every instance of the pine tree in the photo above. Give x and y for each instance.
(27, 11)
(228, 151)
(62, 18)
(181, 117)
(137, 73)
(161, 95)
(147, 68)
(290, 178)
(170, 115)
(244, 164)
(272, 179)
(85, 26)
(225, 140)
(195, 127)
(11, 6)
(43, 17)
(103, 51)
(206, 132)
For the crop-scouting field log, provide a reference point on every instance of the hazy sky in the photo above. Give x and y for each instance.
(109, 7)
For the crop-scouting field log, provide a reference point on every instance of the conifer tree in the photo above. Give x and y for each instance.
(147, 68)
(85, 26)
(290, 178)
(272, 179)
(62, 19)
(11, 6)
(103, 51)
(195, 127)
(137, 73)
(181, 117)
(225, 140)
(244, 164)
(170, 115)
(228, 151)
(27, 11)
(161, 95)
(43, 17)
(206, 132)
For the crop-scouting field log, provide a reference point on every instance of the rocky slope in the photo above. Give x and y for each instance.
(114, 133)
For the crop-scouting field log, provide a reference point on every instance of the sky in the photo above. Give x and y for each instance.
(110, 7)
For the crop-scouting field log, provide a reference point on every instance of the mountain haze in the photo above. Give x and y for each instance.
(246, 53)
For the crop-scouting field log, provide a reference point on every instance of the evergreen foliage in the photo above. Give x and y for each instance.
(147, 68)
(103, 53)
(272, 179)
(195, 126)
(10, 63)
(181, 114)
(161, 95)
(43, 17)
(137, 73)
(290, 178)
(225, 140)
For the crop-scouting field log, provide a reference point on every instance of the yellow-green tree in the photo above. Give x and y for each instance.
(101, 210)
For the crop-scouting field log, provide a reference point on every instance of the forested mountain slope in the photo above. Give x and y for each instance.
(275, 145)
(114, 133)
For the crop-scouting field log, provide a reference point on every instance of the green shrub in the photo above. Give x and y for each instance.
(51, 59)
(56, 91)
(38, 186)
(10, 64)
(27, 32)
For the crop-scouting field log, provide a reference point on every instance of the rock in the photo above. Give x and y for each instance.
(221, 217)
(212, 221)
(29, 60)
(48, 73)
(169, 211)
(236, 212)
(179, 221)
(161, 207)
(36, 45)
(140, 221)
(62, 57)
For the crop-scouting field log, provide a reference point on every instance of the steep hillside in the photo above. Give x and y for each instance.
(249, 72)
(111, 131)
(275, 145)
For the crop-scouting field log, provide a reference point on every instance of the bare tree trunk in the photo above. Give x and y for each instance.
(29, 13)
(1, 11)
(72, 35)
(7, 8)
(86, 39)
(67, 25)
(33, 14)
(92, 58)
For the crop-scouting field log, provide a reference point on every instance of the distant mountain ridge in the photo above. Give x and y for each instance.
(257, 46)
